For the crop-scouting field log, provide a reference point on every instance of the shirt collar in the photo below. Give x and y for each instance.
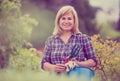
(57, 36)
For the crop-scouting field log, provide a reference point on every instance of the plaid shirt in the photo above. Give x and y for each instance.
(56, 51)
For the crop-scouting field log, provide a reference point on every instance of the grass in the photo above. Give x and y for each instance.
(10, 75)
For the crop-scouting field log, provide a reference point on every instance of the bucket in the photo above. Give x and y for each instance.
(82, 73)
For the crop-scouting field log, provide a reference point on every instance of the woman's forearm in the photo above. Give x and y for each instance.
(55, 68)
(88, 63)
(47, 66)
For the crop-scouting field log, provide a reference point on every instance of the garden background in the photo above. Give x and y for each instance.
(26, 24)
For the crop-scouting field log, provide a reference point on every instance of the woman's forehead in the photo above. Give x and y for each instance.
(68, 14)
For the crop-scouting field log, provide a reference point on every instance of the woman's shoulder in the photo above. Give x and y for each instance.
(52, 37)
(83, 36)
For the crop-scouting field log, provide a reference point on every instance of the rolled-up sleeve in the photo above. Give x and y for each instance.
(88, 48)
(47, 53)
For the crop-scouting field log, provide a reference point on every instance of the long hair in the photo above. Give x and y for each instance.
(61, 12)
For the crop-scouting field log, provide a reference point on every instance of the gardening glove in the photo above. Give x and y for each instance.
(70, 65)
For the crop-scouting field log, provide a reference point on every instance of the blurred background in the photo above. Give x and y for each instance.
(95, 17)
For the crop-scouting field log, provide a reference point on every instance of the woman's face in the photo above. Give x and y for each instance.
(66, 22)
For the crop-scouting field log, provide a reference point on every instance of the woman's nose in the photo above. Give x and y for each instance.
(66, 23)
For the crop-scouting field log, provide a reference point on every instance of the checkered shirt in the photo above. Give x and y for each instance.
(56, 51)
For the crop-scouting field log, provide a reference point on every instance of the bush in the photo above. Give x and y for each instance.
(15, 28)
(25, 59)
(108, 55)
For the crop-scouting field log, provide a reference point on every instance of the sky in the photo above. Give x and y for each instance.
(110, 10)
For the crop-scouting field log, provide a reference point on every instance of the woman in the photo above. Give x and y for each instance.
(65, 36)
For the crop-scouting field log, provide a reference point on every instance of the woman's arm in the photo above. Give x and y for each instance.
(48, 66)
(88, 63)
(51, 67)
(89, 53)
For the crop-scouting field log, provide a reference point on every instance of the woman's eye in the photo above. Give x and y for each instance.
(63, 18)
(69, 18)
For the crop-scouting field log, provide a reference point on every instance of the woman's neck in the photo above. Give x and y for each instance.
(65, 37)
(66, 34)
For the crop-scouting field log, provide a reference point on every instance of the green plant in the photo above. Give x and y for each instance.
(25, 59)
(108, 54)
(15, 28)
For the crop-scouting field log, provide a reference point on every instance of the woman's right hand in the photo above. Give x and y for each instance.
(59, 67)
(56, 68)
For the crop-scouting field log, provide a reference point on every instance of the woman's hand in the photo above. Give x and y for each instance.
(55, 68)
(59, 68)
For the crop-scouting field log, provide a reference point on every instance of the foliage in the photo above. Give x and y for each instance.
(15, 28)
(25, 59)
(10, 75)
(108, 54)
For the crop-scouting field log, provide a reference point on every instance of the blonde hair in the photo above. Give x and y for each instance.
(61, 12)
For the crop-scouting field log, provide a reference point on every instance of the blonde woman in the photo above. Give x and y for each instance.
(65, 36)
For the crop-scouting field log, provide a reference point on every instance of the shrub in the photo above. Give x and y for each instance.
(25, 59)
(108, 54)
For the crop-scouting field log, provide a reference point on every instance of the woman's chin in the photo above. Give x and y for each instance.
(66, 29)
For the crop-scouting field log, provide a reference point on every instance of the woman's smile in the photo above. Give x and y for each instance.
(66, 24)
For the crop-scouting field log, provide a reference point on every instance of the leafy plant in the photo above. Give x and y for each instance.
(108, 54)
(15, 28)
(25, 59)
